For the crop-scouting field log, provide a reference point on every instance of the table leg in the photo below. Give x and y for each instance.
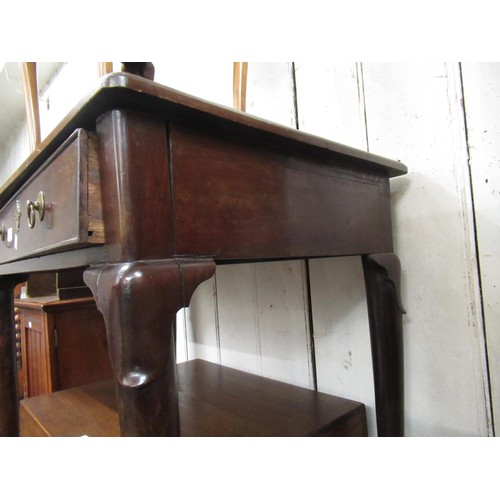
(9, 399)
(139, 301)
(382, 279)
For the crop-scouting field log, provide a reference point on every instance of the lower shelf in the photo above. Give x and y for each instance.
(213, 401)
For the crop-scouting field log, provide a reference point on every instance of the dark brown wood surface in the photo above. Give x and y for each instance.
(385, 310)
(236, 198)
(235, 403)
(64, 182)
(139, 301)
(38, 358)
(9, 416)
(63, 342)
(135, 179)
(82, 347)
(213, 401)
(185, 183)
(19, 353)
(126, 91)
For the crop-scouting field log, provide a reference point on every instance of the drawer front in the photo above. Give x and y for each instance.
(50, 213)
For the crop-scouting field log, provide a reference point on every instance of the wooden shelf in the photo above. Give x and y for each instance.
(213, 400)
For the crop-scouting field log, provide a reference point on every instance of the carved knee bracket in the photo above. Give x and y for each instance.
(140, 300)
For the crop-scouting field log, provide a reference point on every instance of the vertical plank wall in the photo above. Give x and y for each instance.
(482, 106)
(441, 121)
(414, 112)
(411, 112)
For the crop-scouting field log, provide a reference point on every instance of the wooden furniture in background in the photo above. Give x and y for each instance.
(187, 185)
(240, 72)
(63, 285)
(213, 401)
(30, 91)
(103, 68)
(144, 69)
(63, 344)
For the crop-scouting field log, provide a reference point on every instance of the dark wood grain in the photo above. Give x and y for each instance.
(135, 185)
(64, 344)
(144, 69)
(37, 355)
(238, 199)
(95, 220)
(64, 181)
(185, 183)
(19, 351)
(139, 301)
(127, 91)
(214, 401)
(9, 416)
(82, 347)
(382, 278)
(228, 402)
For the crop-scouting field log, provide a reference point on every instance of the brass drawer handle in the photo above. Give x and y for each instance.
(32, 206)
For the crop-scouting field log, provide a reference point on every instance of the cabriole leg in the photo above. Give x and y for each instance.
(139, 301)
(382, 279)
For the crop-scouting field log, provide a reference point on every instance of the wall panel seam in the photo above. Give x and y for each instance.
(362, 101)
(306, 282)
(463, 110)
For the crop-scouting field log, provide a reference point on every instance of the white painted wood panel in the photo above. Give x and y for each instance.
(414, 114)
(330, 104)
(201, 324)
(207, 79)
(74, 82)
(14, 152)
(68, 87)
(481, 82)
(270, 92)
(341, 332)
(263, 320)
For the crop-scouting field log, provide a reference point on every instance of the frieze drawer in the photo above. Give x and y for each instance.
(59, 208)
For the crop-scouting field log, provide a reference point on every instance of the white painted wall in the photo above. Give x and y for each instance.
(482, 106)
(255, 317)
(415, 113)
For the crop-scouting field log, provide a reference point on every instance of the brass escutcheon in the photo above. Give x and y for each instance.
(38, 206)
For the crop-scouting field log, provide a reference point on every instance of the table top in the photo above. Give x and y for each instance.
(124, 90)
(229, 186)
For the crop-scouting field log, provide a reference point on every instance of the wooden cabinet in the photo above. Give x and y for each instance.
(63, 344)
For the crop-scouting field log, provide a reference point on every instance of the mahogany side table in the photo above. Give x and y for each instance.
(148, 189)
